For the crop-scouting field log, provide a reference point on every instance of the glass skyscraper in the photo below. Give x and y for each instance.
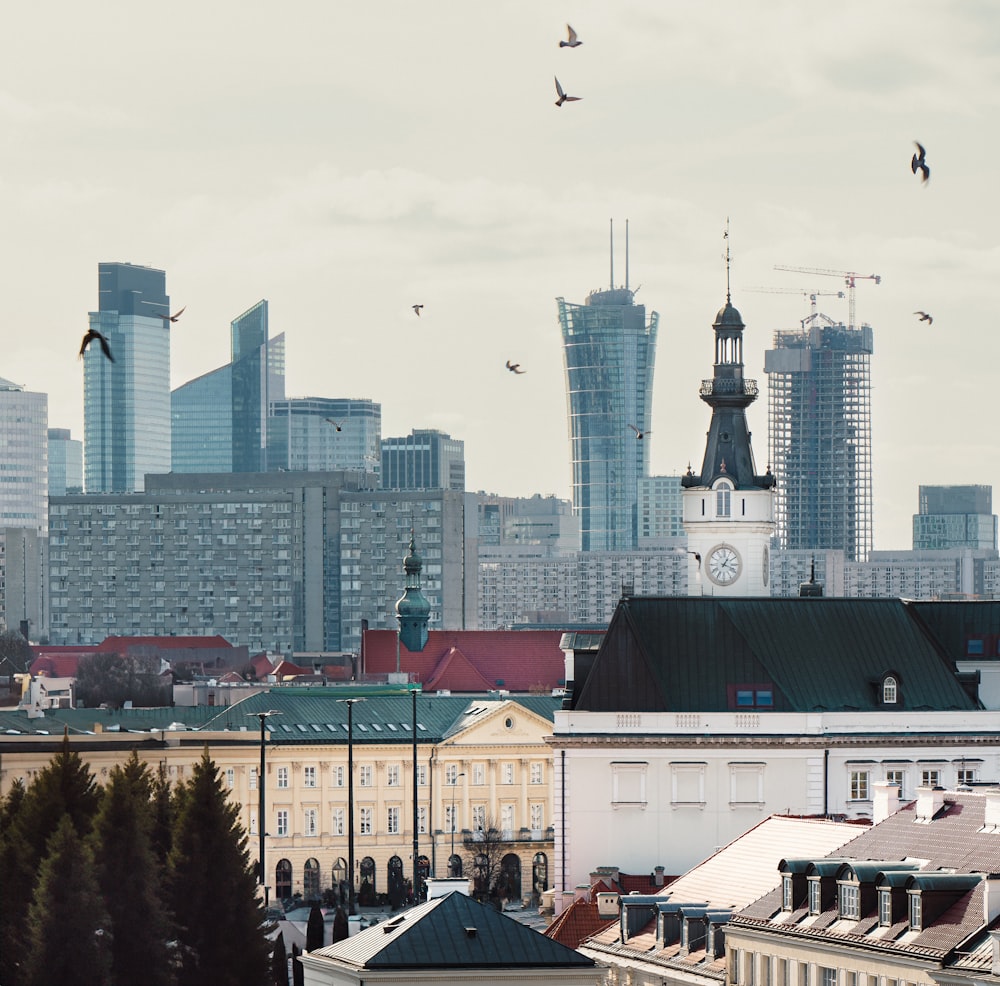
(609, 349)
(426, 459)
(126, 403)
(321, 434)
(201, 413)
(65, 463)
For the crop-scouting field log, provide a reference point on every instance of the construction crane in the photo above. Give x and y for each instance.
(811, 295)
(849, 277)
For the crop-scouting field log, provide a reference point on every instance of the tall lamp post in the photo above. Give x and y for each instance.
(349, 702)
(261, 871)
(454, 784)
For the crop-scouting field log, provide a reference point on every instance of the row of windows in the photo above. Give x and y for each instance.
(860, 781)
(755, 969)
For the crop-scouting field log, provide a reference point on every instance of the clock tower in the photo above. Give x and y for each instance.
(728, 508)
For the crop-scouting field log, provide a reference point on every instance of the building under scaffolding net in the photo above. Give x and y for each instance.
(819, 433)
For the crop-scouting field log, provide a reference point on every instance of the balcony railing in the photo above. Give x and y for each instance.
(725, 387)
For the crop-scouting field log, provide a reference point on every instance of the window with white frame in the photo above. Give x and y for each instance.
(965, 776)
(537, 817)
(787, 899)
(765, 970)
(392, 820)
(450, 816)
(723, 500)
(451, 773)
(282, 828)
(849, 901)
(365, 775)
(230, 777)
(859, 789)
(885, 907)
(628, 782)
(282, 774)
(421, 775)
(916, 912)
(931, 777)
(827, 976)
(337, 822)
(536, 775)
(478, 818)
(479, 774)
(308, 776)
(365, 821)
(337, 775)
(309, 826)
(890, 690)
(422, 819)
(507, 773)
(253, 778)
(392, 775)
(896, 776)
(815, 897)
(746, 783)
(507, 821)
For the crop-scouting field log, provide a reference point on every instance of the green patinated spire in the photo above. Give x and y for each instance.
(412, 608)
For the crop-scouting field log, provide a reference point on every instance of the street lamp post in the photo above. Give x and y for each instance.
(454, 784)
(261, 804)
(349, 702)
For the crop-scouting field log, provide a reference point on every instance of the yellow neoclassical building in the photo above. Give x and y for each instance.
(481, 763)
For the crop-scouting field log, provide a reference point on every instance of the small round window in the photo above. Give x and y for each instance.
(508, 722)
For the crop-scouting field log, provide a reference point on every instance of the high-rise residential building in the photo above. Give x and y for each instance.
(955, 517)
(819, 431)
(609, 348)
(65, 462)
(126, 403)
(660, 512)
(426, 459)
(201, 413)
(536, 526)
(320, 434)
(258, 377)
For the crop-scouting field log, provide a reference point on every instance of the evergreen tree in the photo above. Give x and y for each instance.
(315, 929)
(130, 879)
(16, 880)
(279, 962)
(218, 916)
(298, 973)
(68, 940)
(340, 929)
(164, 809)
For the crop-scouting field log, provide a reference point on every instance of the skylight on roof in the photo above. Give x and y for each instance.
(362, 727)
(376, 727)
(343, 726)
(316, 727)
(286, 727)
(301, 727)
(421, 726)
(391, 726)
(331, 727)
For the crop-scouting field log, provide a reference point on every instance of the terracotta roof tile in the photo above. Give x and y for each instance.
(579, 921)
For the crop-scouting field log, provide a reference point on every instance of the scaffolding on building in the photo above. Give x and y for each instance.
(819, 432)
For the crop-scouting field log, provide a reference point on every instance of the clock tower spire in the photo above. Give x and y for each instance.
(728, 507)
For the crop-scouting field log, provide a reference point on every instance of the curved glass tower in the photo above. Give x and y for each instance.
(609, 349)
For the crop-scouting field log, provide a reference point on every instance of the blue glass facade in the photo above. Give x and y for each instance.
(201, 413)
(126, 403)
(303, 435)
(425, 459)
(609, 350)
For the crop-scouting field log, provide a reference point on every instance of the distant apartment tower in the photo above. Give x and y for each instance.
(660, 512)
(126, 403)
(609, 348)
(540, 526)
(258, 377)
(320, 434)
(955, 517)
(425, 459)
(65, 462)
(819, 433)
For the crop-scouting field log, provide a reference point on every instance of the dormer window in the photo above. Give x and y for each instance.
(890, 690)
(815, 897)
(723, 500)
(885, 908)
(849, 901)
(786, 892)
(916, 912)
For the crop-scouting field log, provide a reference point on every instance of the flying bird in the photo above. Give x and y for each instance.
(572, 43)
(515, 367)
(417, 308)
(919, 163)
(91, 335)
(640, 435)
(336, 424)
(924, 317)
(172, 318)
(563, 98)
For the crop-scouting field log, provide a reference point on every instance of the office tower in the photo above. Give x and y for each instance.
(126, 403)
(201, 417)
(955, 517)
(24, 487)
(65, 463)
(819, 430)
(660, 512)
(258, 368)
(609, 349)
(728, 506)
(423, 460)
(536, 526)
(319, 434)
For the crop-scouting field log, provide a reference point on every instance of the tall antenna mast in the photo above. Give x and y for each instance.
(612, 253)
(725, 236)
(626, 255)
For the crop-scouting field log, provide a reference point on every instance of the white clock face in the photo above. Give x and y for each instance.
(724, 565)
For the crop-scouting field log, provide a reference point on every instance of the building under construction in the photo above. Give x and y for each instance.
(819, 433)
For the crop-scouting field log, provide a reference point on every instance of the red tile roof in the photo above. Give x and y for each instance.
(58, 665)
(472, 660)
(579, 921)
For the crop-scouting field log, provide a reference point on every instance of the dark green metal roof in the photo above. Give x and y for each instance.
(678, 654)
(953, 624)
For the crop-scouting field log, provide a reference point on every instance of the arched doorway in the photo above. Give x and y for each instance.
(539, 875)
(454, 865)
(423, 871)
(338, 879)
(310, 880)
(366, 892)
(394, 881)
(509, 884)
(283, 880)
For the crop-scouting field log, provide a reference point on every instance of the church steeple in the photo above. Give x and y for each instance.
(412, 608)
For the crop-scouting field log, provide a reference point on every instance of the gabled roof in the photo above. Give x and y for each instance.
(517, 660)
(579, 921)
(451, 932)
(677, 654)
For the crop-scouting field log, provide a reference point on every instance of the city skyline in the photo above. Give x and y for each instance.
(356, 163)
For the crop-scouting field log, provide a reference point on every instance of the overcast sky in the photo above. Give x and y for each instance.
(346, 161)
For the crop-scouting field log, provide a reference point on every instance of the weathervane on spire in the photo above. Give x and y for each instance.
(725, 236)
